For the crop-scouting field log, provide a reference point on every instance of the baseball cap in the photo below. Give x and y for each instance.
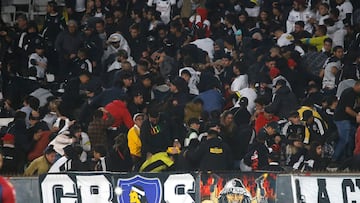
(8, 137)
(114, 38)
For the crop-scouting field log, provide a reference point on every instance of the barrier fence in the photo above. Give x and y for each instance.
(196, 187)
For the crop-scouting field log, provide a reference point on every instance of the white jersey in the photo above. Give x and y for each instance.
(239, 83)
(164, 7)
(297, 16)
(40, 71)
(61, 165)
(207, 45)
(344, 9)
(194, 80)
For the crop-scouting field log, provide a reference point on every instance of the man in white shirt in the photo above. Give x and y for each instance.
(299, 13)
(345, 7)
(204, 43)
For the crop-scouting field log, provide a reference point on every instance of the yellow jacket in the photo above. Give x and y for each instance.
(315, 41)
(134, 142)
(38, 166)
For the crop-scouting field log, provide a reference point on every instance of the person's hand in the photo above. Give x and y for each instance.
(90, 94)
(37, 136)
(72, 56)
(42, 65)
(148, 155)
(103, 109)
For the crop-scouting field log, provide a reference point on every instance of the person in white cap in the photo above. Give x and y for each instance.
(134, 142)
(115, 43)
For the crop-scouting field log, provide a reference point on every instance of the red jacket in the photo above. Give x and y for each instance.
(119, 111)
(7, 191)
(40, 146)
(261, 121)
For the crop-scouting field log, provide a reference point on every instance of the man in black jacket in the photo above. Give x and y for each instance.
(212, 153)
(284, 100)
(155, 134)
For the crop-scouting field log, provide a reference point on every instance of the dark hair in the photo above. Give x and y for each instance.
(241, 66)
(98, 114)
(322, 29)
(33, 102)
(325, 5)
(300, 23)
(328, 40)
(100, 149)
(335, 12)
(337, 48)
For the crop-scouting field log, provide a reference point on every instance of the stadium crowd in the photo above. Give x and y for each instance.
(157, 85)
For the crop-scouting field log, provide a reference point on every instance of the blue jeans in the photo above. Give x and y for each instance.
(346, 142)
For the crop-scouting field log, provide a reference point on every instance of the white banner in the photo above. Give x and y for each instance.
(317, 189)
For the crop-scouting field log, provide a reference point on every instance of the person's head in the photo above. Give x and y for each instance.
(328, 44)
(299, 26)
(334, 14)
(186, 75)
(134, 30)
(278, 32)
(50, 154)
(280, 83)
(22, 21)
(214, 125)
(194, 123)
(270, 62)
(175, 27)
(88, 30)
(357, 87)
(114, 40)
(272, 128)
(51, 7)
(32, 102)
(308, 116)
(230, 20)
(154, 115)
(226, 60)
(339, 2)
(178, 84)
(84, 76)
(122, 55)
(99, 151)
(338, 52)
(100, 27)
(259, 104)
(136, 14)
(40, 49)
(72, 26)
(320, 30)
(227, 118)
(142, 67)
(239, 68)
(138, 119)
(82, 53)
(294, 117)
(98, 114)
(323, 9)
(315, 149)
(34, 118)
(299, 5)
(75, 130)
